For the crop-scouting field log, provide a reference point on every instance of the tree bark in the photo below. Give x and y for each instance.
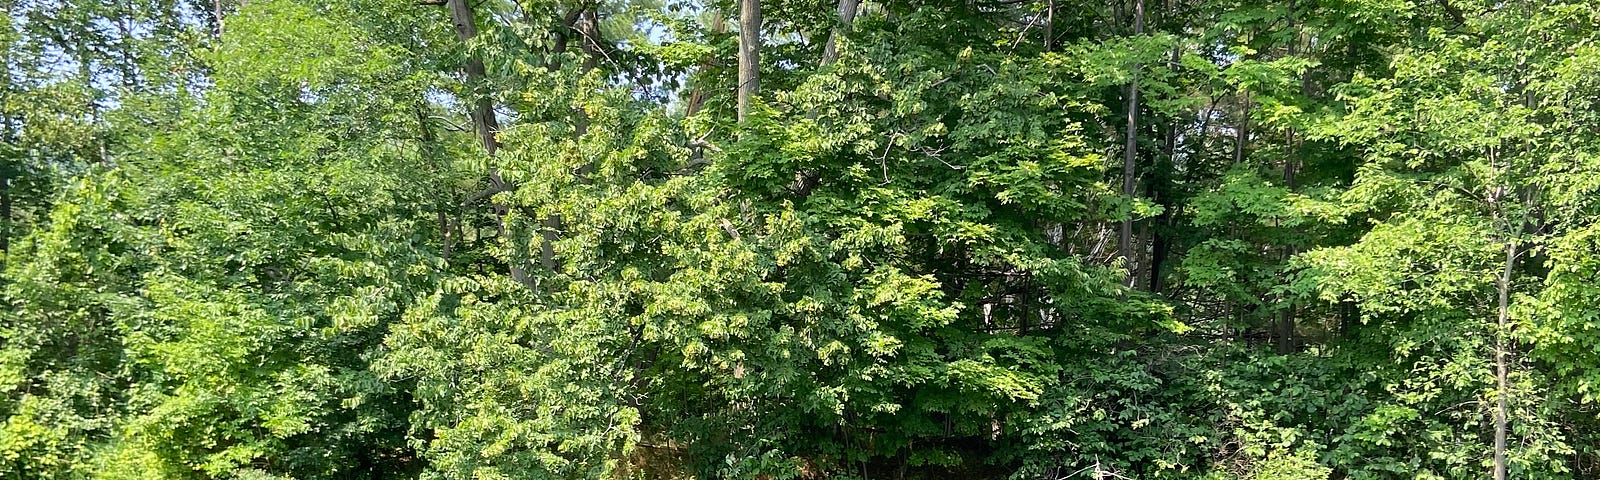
(5, 206)
(1505, 233)
(1158, 191)
(1131, 152)
(1242, 133)
(484, 121)
(589, 28)
(847, 15)
(749, 54)
(429, 155)
(1049, 25)
(697, 96)
(1502, 387)
(1286, 320)
(216, 12)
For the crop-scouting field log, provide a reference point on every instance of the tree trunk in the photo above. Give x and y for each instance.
(1347, 316)
(593, 51)
(6, 160)
(1286, 318)
(5, 206)
(749, 54)
(697, 96)
(588, 27)
(429, 153)
(1503, 390)
(847, 15)
(1131, 152)
(1158, 190)
(1049, 25)
(1242, 133)
(216, 12)
(1506, 234)
(484, 121)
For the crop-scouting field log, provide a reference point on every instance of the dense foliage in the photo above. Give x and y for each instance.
(451, 239)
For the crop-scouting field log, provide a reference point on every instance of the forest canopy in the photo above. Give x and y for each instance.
(780, 239)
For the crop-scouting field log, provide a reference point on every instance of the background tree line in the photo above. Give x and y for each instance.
(767, 239)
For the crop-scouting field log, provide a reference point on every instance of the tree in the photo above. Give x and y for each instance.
(750, 53)
(564, 239)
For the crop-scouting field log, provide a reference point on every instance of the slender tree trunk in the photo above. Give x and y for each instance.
(719, 24)
(588, 28)
(1286, 320)
(1347, 316)
(483, 119)
(216, 12)
(749, 54)
(1506, 234)
(1158, 257)
(847, 15)
(5, 206)
(1503, 389)
(1158, 191)
(429, 153)
(1049, 25)
(6, 159)
(128, 66)
(1160, 187)
(1242, 133)
(1131, 152)
(85, 58)
(1241, 138)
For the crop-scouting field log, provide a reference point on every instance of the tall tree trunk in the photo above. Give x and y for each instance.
(1131, 152)
(1286, 318)
(484, 121)
(1158, 190)
(847, 15)
(430, 155)
(1347, 316)
(1241, 139)
(1285, 334)
(1242, 132)
(5, 206)
(216, 12)
(749, 54)
(1502, 387)
(593, 51)
(1049, 25)
(7, 161)
(1505, 233)
(1158, 257)
(697, 96)
(588, 27)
